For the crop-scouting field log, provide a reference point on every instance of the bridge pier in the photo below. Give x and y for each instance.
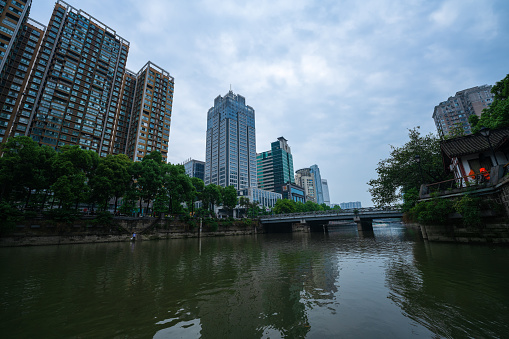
(364, 225)
(300, 227)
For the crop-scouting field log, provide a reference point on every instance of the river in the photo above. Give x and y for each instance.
(390, 284)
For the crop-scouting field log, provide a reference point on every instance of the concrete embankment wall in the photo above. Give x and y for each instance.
(495, 224)
(495, 233)
(46, 232)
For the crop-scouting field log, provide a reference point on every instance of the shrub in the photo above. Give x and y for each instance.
(9, 216)
(212, 223)
(61, 215)
(30, 214)
(432, 212)
(470, 209)
(103, 218)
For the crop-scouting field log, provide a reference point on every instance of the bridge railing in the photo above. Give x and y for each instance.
(332, 212)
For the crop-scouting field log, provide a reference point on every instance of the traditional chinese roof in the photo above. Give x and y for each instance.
(473, 144)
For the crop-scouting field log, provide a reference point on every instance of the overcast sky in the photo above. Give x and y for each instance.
(341, 80)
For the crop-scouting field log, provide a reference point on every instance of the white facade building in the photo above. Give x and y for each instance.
(325, 190)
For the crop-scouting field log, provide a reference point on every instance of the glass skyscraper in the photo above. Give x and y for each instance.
(275, 167)
(318, 184)
(230, 158)
(326, 196)
(195, 168)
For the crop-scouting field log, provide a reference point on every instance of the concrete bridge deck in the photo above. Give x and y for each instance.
(362, 216)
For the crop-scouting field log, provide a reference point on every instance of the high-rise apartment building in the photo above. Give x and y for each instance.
(195, 168)
(68, 85)
(275, 167)
(230, 158)
(13, 17)
(451, 116)
(326, 196)
(149, 128)
(318, 184)
(20, 39)
(350, 205)
(305, 178)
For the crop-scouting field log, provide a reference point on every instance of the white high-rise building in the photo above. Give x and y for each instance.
(325, 189)
(305, 178)
(230, 158)
(318, 184)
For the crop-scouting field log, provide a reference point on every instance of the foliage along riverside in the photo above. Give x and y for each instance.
(38, 178)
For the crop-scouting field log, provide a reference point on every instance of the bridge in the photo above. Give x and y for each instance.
(320, 220)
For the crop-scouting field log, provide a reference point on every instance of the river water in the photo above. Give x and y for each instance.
(390, 284)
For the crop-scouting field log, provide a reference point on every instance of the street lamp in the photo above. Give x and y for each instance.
(485, 132)
(417, 158)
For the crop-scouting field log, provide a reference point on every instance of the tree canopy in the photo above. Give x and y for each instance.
(290, 206)
(401, 172)
(72, 176)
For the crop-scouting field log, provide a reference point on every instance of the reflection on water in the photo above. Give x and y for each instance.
(386, 284)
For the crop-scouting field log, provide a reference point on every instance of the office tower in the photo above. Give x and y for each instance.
(305, 178)
(195, 168)
(275, 167)
(73, 89)
(318, 183)
(326, 196)
(293, 192)
(451, 116)
(231, 143)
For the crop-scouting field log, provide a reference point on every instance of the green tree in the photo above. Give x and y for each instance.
(229, 198)
(129, 200)
(310, 206)
(325, 207)
(73, 167)
(179, 187)
(161, 202)
(244, 202)
(199, 186)
(300, 207)
(111, 179)
(497, 115)
(211, 196)
(401, 172)
(284, 206)
(148, 177)
(254, 209)
(24, 167)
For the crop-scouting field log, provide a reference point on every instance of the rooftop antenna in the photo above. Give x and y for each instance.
(230, 87)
